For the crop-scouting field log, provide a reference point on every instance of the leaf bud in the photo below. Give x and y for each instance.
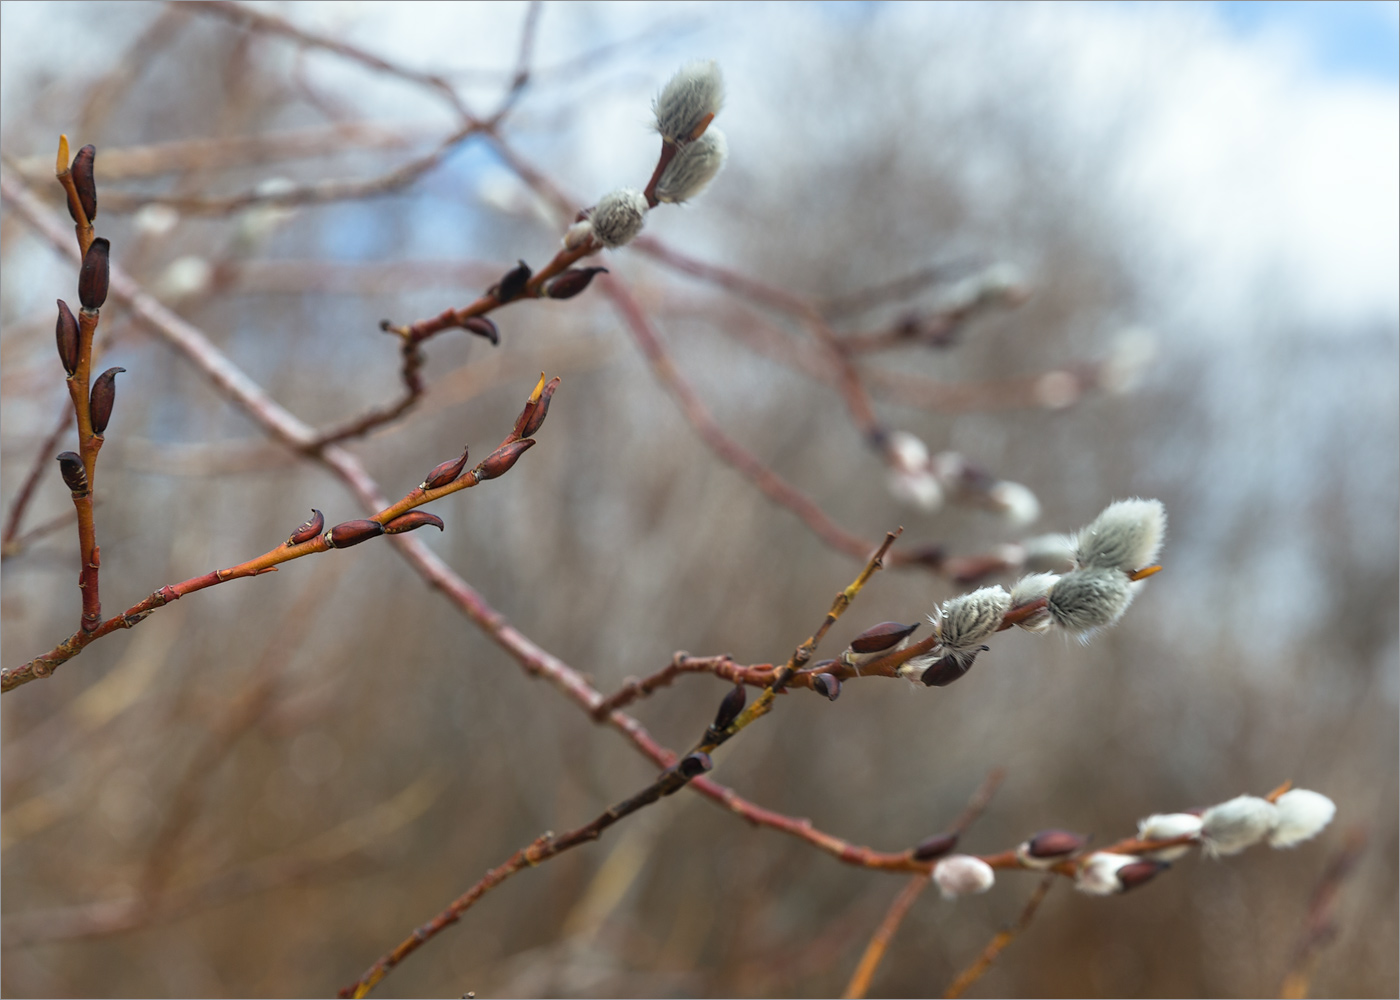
(539, 410)
(693, 765)
(104, 395)
(882, 637)
(309, 529)
(950, 667)
(730, 708)
(66, 331)
(513, 284)
(483, 327)
(445, 473)
(95, 274)
(1049, 847)
(349, 533)
(572, 281)
(935, 847)
(499, 462)
(827, 684)
(413, 519)
(1135, 874)
(84, 182)
(70, 466)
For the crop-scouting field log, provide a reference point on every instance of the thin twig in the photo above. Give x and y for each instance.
(1004, 937)
(875, 950)
(1320, 925)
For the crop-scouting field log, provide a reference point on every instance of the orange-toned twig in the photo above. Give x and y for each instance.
(998, 944)
(1320, 925)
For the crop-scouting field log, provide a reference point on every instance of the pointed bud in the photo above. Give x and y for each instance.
(730, 708)
(572, 281)
(104, 394)
(827, 684)
(349, 533)
(935, 847)
(1135, 874)
(1049, 847)
(535, 420)
(413, 519)
(951, 667)
(84, 181)
(309, 529)
(94, 275)
(445, 473)
(499, 462)
(67, 333)
(513, 284)
(694, 764)
(483, 327)
(70, 466)
(879, 638)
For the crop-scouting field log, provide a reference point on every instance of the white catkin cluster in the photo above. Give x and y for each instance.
(618, 217)
(692, 168)
(695, 91)
(962, 875)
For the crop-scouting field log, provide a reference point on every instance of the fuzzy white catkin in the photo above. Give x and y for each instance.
(965, 621)
(1167, 826)
(1015, 502)
(1232, 826)
(1090, 599)
(695, 91)
(692, 169)
(618, 217)
(963, 875)
(1098, 876)
(1032, 588)
(1302, 815)
(1127, 536)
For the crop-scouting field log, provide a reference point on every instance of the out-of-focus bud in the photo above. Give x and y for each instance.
(499, 462)
(693, 765)
(935, 847)
(1014, 502)
(532, 416)
(1302, 815)
(1029, 589)
(1130, 356)
(1049, 553)
(104, 395)
(513, 284)
(970, 569)
(1099, 873)
(349, 533)
(729, 708)
(1232, 826)
(571, 282)
(309, 529)
(578, 234)
(618, 217)
(689, 101)
(185, 277)
(691, 170)
(445, 473)
(70, 467)
(66, 332)
(828, 685)
(963, 875)
(1133, 875)
(1087, 600)
(483, 327)
(84, 181)
(95, 274)
(950, 667)
(1169, 826)
(1049, 847)
(154, 219)
(413, 519)
(1127, 536)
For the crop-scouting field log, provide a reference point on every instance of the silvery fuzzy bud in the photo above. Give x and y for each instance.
(963, 622)
(572, 281)
(963, 875)
(1169, 826)
(688, 100)
(309, 529)
(70, 467)
(66, 333)
(482, 326)
(618, 217)
(1232, 826)
(729, 708)
(1103, 873)
(349, 533)
(513, 284)
(1127, 536)
(691, 170)
(103, 398)
(1032, 588)
(1302, 815)
(578, 234)
(917, 489)
(445, 473)
(95, 274)
(828, 685)
(84, 182)
(1049, 847)
(1090, 599)
(935, 847)
(499, 462)
(413, 519)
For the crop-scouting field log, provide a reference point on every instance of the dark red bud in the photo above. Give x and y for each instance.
(513, 284)
(1055, 844)
(931, 556)
(482, 327)
(67, 333)
(949, 669)
(694, 764)
(1138, 872)
(730, 708)
(499, 462)
(351, 533)
(309, 529)
(445, 473)
(534, 417)
(94, 275)
(413, 519)
(70, 466)
(572, 281)
(881, 637)
(827, 684)
(935, 847)
(84, 181)
(104, 394)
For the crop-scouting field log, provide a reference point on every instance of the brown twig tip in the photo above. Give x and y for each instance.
(95, 274)
(70, 466)
(935, 847)
(84, 181)
(571, 282)
(500, 461)
(413, 519)
(349, 533)
(483, 327)
(104, 396)
(512, 285)
(66, 332)
(445, 473)
(309, 529)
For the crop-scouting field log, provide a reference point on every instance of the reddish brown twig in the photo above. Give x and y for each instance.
(9, 542)
(998, 944)
(1320, 924)
(880, 942)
